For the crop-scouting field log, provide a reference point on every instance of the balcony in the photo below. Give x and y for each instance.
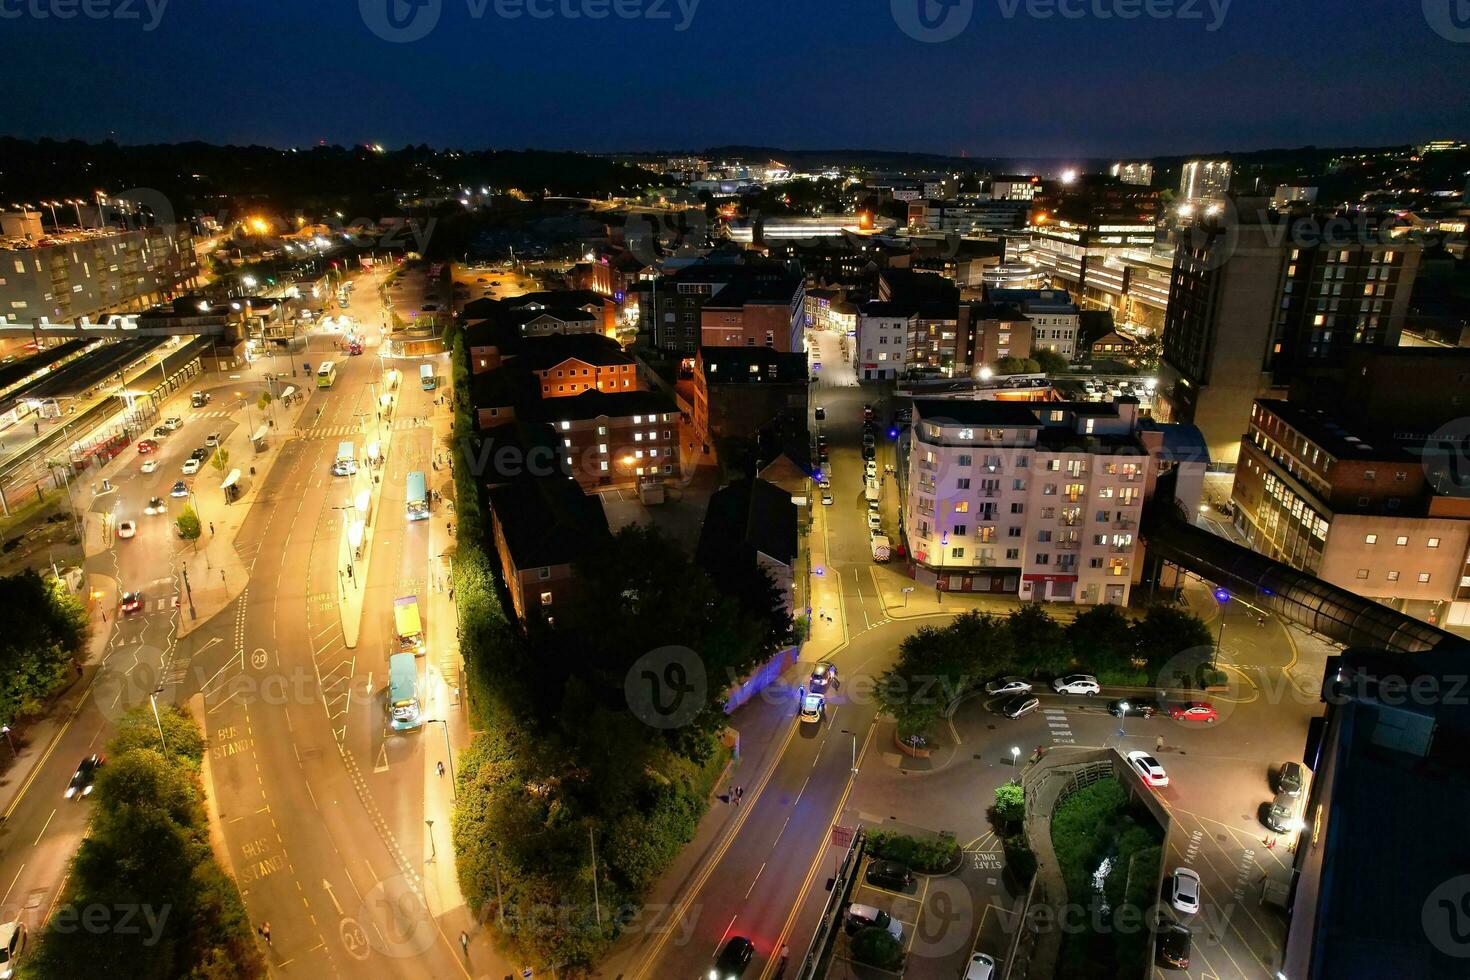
(1068, 545)
(1125, 523)
(990, 493)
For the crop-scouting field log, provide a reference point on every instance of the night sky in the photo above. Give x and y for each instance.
(791, 73)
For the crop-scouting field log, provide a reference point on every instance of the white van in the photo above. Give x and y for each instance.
(12, 944)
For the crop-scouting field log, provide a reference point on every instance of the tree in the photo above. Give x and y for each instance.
(876, 947)
(221, 459)
(1049, 361)
(138, 729)
(1010, 804)
(188, 524)
(1040, 643)
(264, 402)
(1166, 633)
(1103, 637)
(43, 628)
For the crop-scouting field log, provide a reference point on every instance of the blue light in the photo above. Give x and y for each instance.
(1222, 596)
(893, 433)
(821, 570)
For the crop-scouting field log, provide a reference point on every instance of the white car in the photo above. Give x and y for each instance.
(826, 498)
(1184, 891)
(212, 439)
(812, 706)
(870, 470)
(173, 423)
(1148, 767)
(1009, 685)
(149, 465)
(825, 483)
(126, 529)
(191, 466)
(1076, 684)
(982, 967)
(875, 522)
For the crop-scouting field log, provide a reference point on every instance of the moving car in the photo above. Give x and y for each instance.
(1020, 704)
(875, 522)
(212, 440)
(149, 465)
(1195, 711)
(1184, 890)
(173, 423)
(147, 446)
(199, 399)
(130, 602)
(1280, 814)
(1008, 685)
(126, 529)
(889, 874)
(824, 675)
(1076, 684)
(982, 967)
(733, 959)
(1291, 778)
(860, 917)
(191, 466)
(1137, 707)
(812, 706)
(86, 774)
(180, 489)
(827, 497)
(155, 506)
(1148, 767)
(1174, 943)
(821, 414)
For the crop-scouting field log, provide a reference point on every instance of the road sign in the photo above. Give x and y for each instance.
(841, 836)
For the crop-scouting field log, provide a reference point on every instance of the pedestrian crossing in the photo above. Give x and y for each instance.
(353, 429)
(1061, 728)
(212, 413)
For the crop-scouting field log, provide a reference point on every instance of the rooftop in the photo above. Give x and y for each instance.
(601, 404)
(1361, 442)
(945, 411)
(547, 521)
(748, 516)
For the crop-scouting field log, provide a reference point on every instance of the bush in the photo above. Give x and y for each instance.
(876, 947)
(43, 629)
(1020, 859)
(926, 856)
(1010, 804)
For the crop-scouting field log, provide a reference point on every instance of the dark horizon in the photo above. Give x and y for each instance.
(970, 77)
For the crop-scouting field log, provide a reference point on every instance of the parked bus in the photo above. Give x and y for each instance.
(418, 496)
(426, 377)
(346, 461)
(326, 374)
(408, 629)
(403, 692)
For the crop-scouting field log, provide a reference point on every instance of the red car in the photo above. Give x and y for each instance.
(131, 602)
(147, 446)
(1194, 711)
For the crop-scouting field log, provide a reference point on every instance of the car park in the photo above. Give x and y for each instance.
(1194, 711)
(86, 774)
(824, 675)
(1076, 684)
(149, 465)
(130, 602)
(191, 466)
(126, 529)
(1133, 707)
(889, 874)
(147, 446)
(733, 959)
(1019, 704)
(155, 506)
(860, 917)
(1290, 778)
(1184, 891)
(180, 489)
(813, 706)
(980, 967)
(1148, 768)
(1008, 685)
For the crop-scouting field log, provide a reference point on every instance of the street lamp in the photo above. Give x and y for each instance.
(153, 700)
(854, 747)
(1222, 597)
(453, 792)
(1015, 755)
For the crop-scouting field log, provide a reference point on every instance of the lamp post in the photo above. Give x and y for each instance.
(846, 731)
(433, 848)
(188, 592)
(1015, 756)
(153, 700)
(453, 793)
(1222, 597)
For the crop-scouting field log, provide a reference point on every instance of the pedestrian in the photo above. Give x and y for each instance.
(441, 770)
(730, 794)
(1159, 744)
(464, 942)
(211, 529)
(739, 793)
(265, 930)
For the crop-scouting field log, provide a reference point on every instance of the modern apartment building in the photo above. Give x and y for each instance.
(1203, 181)
(1037, 500)
(626, 439)
(1054, 318)
(1262, 299)
(754, 304)
(71, 274)
(1352, 504)
(883, 334)
(1133, 172)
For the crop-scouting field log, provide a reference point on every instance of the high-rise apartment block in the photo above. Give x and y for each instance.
(1204, 180)
(1133, 172)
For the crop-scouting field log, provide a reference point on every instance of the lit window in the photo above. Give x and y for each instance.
(546, 598)
(1371, 539)
(1432, 543)
(1423, 576)
(1362, 573)
(637, 437)
(1402, 540)
(1393, 576)
(637, 420)
(565, 426)
(967, 433)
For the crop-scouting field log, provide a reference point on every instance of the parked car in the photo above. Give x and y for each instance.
(1195, 711)
(147, 446)
(827, 498)
(160, 431)
(860, 917)
(180, 489)
(12, 944)
(1184, 890)
(825, 483)
(86, 774)
(1008, 685)
(173, 423)
(1280, 814)
(212, 440)
(1174, 943)
(199, 453)
(126, 529)
(981, 967)
(875, 521)
(1020, 704)
(821, 414)
(889, 874)
(1076, 684)
(191, 466)
(1137, 707)
(733, 959)
(812, 706)
(1148, 767)
(870, 469)
(199, 399)
(149, 465)
(1290, 778)
(824, 675)
(868, 412)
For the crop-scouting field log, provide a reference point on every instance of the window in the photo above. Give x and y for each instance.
(1013, 554)
(1393, 576)
(1094, 563)
(1432, 543)
(544, 572)
(967, 433)
(962, 507)
(1013, 532)
(1043, 536)
(964, 460)
(1423, 576)
(1018, 508)
(1042, 558)
(960, 529)
(1370, 475)
(546, 598)
(1370, 539)
(565, 426)
(1362, 573)
(1402, 540)
(957, 552)
(963, 483)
